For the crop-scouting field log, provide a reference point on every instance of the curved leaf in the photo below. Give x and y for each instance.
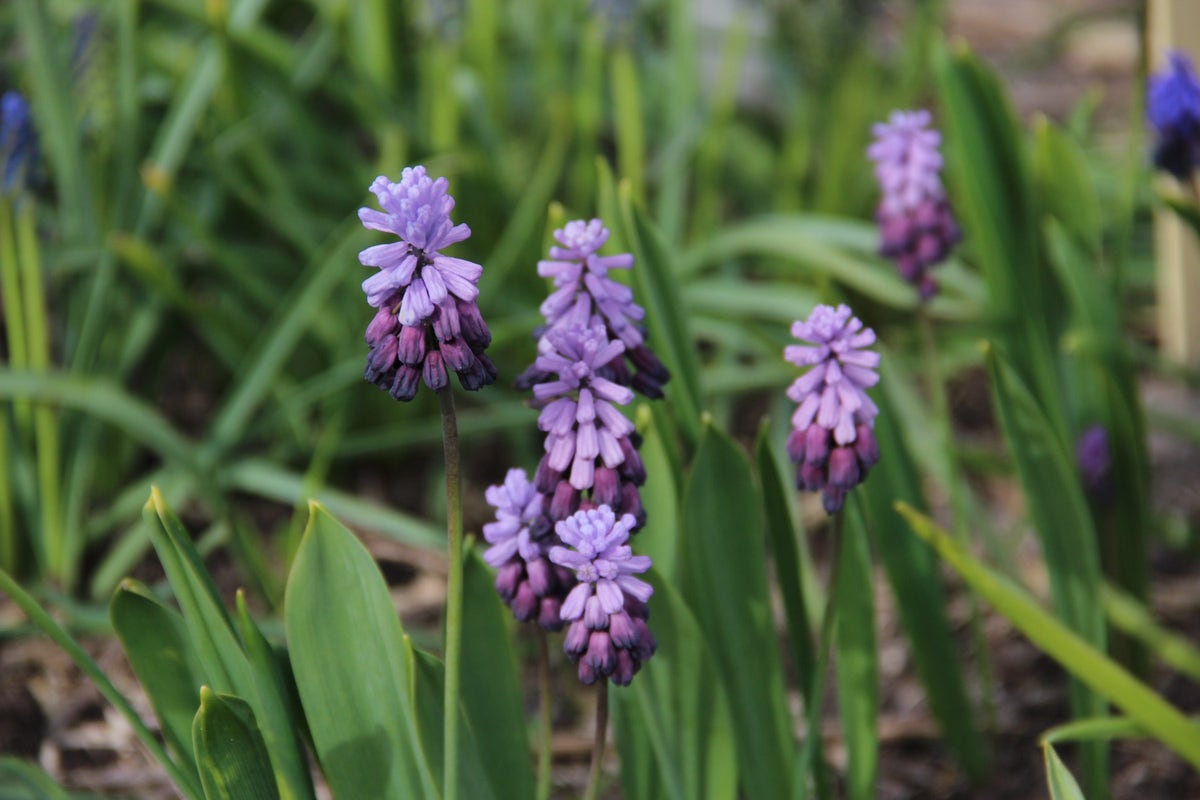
(229, 750)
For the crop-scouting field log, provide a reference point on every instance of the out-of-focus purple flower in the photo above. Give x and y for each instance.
(520, 539)
(1173, 108)
(18, 143)
(833, 440)
(607, 636)
(1094, 457)
(428, 321)
(589, 446)
(584, 296)
(917, 226)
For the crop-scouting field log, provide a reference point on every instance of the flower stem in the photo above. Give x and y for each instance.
(812, 755)
(545, 754)
(593, 783)
(454, 594)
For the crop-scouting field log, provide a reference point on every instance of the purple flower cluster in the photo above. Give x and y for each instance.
(584, 296)
(1173, 108)
(428, 321)
(833, 440)
(18, 143)
(607, 611)
(1094, 457)
(520, 540)
(917, 226)
(589, 445)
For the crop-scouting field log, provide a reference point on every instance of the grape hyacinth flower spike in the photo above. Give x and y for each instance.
(589, 445)
(917, 226)
(584, 296)
(520, 539)
(607, 636)
(1173, 108)
(1094, 458)
(428, 320)
(18, 143)
(833, 438)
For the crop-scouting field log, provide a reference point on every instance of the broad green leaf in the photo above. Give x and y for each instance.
(224, 665)
(857, 660)
(428, 698)
(229, 750)
(912, 571)
(1060, 780)
(491, 686)
(349, 658)
(788, 554)
(1065, 187)
(682, 709)
(23, 780)
(1104, 676)
(725, 584)
(765, 301)
(185, 779)
(155, 640)
(278, 719)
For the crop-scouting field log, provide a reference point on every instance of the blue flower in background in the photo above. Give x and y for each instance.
(1173, 108)
(1094, 457)
(18, 143)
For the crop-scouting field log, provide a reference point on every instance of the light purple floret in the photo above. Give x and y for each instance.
(417, 210)
(833, 392)
(604, 564)
(908, 163)
(518, 508)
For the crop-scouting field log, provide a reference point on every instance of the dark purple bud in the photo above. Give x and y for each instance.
(404, 385)
(631, 503)
(508, 577)
(576, 639)
(446, 322)
(565, 501)
(866, 446)
(587, 673)
(810, 477)
(606, 487)
(381, 359)
(546, 477)
(622, 630)
(600, 653)
(457, 355)
(816, 445)
(548, 615)
(843, 467)
(434, 372)
(795, 446)
(525, 604)
(474, 329)
(632, 469)
(832, 498)
(627, 667)
(383, 323)
(1094, 457)
(539, 573)
(412, 345)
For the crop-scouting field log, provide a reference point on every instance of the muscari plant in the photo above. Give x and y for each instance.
(384, 717)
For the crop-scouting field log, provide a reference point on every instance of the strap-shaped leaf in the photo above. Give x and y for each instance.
(230, 751)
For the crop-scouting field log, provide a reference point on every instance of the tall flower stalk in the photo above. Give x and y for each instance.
(428, 324)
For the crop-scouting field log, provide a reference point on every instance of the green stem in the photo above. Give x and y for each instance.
(14, 311)
(454, 594)
(958, 501)
(545, 717)
(812, 755)
(593, 784)
(59, 552)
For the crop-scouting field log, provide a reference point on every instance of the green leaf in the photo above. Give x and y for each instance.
(660, 497)
(857, 660)
(279, 719)
(684, 711)
(912, 571)
(725, 584)
(428, 698)
(1093, 728)
(491, 687)
(351, 666)
(1060, 780)
(224, 665)
(155, 641)
(22, 780)
(789, 554)
(1065, 186)
(231, 754)
(1133, 618)
(1104, 676)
